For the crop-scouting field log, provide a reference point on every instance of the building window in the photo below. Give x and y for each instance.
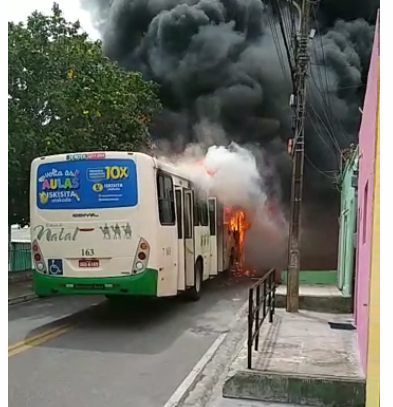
(365, 213)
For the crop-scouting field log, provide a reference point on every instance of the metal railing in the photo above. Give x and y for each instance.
(261, 303)
(19, 257)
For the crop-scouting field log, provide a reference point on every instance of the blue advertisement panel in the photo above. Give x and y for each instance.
(87, 184)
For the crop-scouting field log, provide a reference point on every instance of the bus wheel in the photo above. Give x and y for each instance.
(194, 293)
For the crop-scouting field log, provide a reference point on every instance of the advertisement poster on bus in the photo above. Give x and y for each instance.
(88, 184)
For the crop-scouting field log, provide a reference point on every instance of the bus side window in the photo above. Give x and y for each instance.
(196, 211)
(212, 216)
(187, 216)
(166, 199)
(179, 214)
(204, 221)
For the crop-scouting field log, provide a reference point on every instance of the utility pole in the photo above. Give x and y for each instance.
(298, 102)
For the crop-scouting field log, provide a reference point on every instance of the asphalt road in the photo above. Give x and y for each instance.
(68, 352)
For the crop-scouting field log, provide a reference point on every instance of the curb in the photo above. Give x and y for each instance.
(22, 298)
(323, 391)
(15, 277)
(182, 392)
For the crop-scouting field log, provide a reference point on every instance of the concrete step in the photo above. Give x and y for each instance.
(225, 402)
(318, 298)
(319, 391)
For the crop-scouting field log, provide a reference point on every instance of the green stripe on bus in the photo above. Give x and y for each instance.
(144, 284)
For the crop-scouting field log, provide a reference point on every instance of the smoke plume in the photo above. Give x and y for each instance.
(223, 62)
(237, 177)
(217, 60)
(229, 173)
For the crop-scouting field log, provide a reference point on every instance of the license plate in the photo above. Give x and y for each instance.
(89, 286)
(89, 263)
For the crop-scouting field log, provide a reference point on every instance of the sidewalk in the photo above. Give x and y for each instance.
(20, 291)
(302, 359)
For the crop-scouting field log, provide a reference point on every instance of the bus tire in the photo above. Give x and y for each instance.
(194, 293)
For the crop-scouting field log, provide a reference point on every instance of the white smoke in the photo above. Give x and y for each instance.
(232, 174)
(228, 173)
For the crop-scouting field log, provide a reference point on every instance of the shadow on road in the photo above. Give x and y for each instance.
(149, 326)
(56, 307)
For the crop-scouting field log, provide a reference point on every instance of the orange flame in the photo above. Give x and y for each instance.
(237, 221)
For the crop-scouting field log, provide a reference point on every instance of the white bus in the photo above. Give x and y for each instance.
(122, 224)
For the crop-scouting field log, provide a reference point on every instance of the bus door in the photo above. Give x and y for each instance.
(221, 235)
(181, 274)
(213, 237)
(188, 237)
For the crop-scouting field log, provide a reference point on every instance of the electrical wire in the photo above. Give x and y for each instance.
(277, 44)
(324, 173)
(285, 35)
(324, 79)
(286, 21)
(318, 133)
(331, 136)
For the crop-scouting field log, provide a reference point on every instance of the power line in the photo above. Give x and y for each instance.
(328, 132)
(277, 45)
(324, 173)
(286, 34)
(318, 133)
(325, 100)
(328, 123)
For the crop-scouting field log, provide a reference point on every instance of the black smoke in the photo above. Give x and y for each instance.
(217, 61)
(332, 10)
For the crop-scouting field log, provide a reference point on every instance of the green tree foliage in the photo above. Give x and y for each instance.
(66, 96)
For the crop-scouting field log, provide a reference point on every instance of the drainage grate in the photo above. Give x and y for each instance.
(343, 326)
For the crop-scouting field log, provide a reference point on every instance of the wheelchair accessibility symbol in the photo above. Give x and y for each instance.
(55, 267)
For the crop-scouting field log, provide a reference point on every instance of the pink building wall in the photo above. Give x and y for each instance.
(367, 141)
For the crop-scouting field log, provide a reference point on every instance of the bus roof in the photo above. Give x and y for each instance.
(167, 167)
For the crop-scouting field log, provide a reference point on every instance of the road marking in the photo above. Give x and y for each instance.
(178, 396)
(36, 340)
(190, 379)
(22, 298)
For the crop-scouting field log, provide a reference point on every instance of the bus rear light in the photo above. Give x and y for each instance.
(141, 256)
(144, 246)
(38, 259)
(41, 266)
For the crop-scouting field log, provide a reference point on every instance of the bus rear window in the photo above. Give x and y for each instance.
(89, 184)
